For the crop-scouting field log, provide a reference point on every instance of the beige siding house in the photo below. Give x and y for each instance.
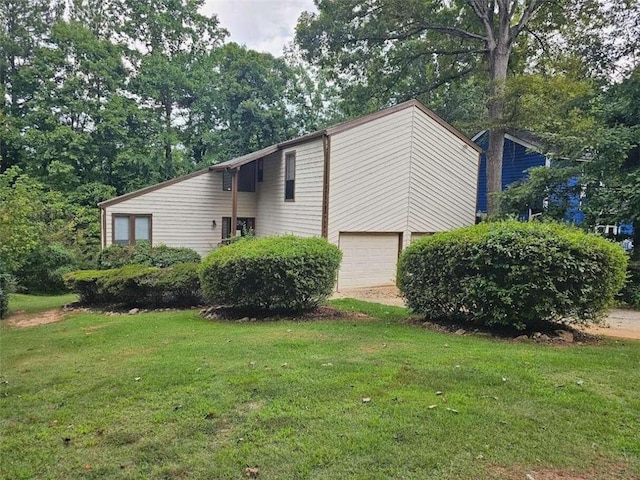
(371, 186)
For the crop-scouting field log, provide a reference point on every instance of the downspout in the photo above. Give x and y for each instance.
(234, 201)
(103, 227)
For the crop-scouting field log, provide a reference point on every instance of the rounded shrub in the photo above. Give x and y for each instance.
(512, 274)
(285, 273)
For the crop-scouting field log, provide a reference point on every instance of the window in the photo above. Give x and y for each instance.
(260, 167)
(129, 229)
(244, 225)
(289, 176)
(246, 178)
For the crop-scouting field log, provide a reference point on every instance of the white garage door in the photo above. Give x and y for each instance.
(368, 259)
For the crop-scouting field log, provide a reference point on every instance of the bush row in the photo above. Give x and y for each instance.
(512, 274)
(142, 253)
(285, 273)
(138, 286)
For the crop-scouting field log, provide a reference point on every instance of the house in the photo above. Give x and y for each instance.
(522, 151)
(369, 185)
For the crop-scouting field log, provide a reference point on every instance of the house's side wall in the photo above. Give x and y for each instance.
(444, 176)
(183, 212)
(515, 161)
(303, 216)
(369, 176)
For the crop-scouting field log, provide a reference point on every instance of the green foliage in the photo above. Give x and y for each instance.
(512, 274)
(284, 273)
(630, 293)
(164, 256)
(138, 286)
(178, 285)
(85, 284)
(21, 212)
(4, 292)
(130, 285)
(116, 256)
(44, 269)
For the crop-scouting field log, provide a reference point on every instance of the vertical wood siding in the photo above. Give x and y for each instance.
(184, 211)
(444, 175)
(303, 216)
(369, 176)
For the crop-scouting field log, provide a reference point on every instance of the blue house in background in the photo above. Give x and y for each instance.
(520, 153)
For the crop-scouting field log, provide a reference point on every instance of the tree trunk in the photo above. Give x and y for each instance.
(498, 63)
(168, 160)
(635, 253)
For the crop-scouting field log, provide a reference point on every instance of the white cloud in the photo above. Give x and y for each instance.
(263, 25)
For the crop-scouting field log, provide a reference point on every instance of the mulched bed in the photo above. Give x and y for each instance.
(551, 333)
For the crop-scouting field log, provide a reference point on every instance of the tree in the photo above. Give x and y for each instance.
(175, 39)
(24, 25)
(391, 50)
(593, 137)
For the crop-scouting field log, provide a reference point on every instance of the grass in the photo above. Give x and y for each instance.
(170, 395)
(29, 304)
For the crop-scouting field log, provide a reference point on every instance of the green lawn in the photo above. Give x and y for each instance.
(170, 395)
(19, 302)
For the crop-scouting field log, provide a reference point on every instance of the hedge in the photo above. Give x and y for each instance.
(138, 286)
(116, 256)
(286, 273)
(630, 293)
(512, 274)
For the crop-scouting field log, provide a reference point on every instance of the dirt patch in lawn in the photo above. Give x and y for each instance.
(616, 471)
(25, 320)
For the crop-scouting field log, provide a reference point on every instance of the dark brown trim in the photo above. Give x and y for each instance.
(356, 122)
(326, 176)
(103, 226)
(234, 201)
(132, 226)
(152, 188)
(400, 243)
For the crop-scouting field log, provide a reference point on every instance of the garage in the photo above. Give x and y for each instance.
(368, 259)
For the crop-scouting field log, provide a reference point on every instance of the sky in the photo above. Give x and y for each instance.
(263, 25)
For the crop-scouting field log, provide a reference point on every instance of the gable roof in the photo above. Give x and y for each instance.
(522, 137)
(237, 162)
(343, 127)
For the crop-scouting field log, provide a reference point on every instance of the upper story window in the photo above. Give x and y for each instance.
(290, 176)
(246, 178)
(129, 229)
(260, 167)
